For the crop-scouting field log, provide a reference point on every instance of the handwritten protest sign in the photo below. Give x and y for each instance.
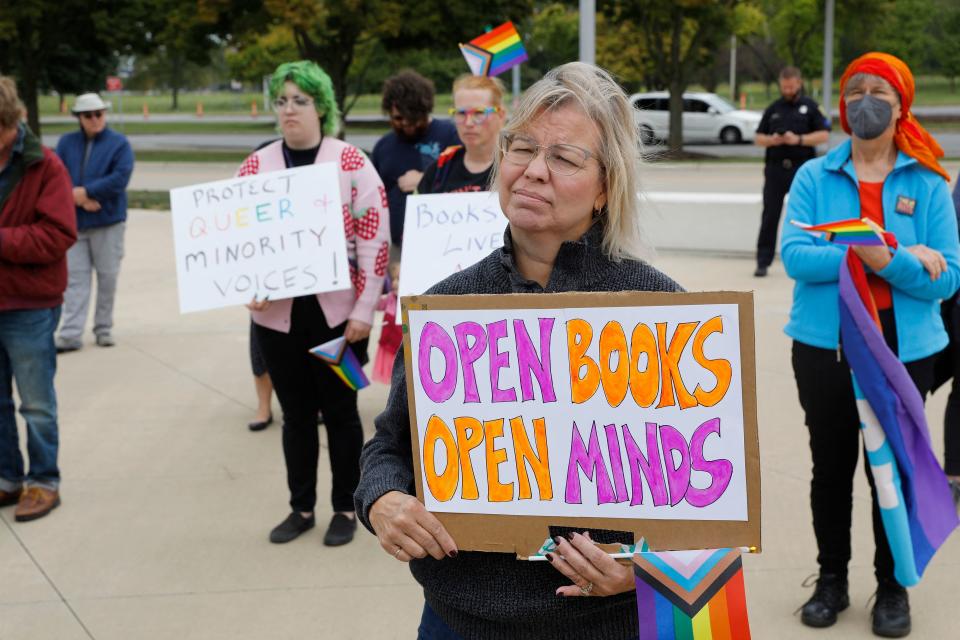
(625, 411)
(278, 234)
(447, 232)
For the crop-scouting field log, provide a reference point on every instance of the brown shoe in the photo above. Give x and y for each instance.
(36, 502)
(8, 498)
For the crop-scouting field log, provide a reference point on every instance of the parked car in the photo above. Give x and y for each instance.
(706, 118)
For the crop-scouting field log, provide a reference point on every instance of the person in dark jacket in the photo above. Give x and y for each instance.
(790, 130)
(100, 162)
(566, 171)
(415, 142)
(37, 226)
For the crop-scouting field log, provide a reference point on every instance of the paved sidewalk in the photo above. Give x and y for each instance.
(168, 499)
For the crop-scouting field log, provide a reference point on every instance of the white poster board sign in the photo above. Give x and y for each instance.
(447, 232)
(623, 412)
(276, 235)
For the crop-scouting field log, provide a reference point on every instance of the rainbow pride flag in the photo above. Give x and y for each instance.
(341, 358)
(691, 595)
(853, 231)
(495, 51)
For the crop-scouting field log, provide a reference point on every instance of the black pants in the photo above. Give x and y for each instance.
(306, 386)
(776, 184)
(951, 420)
(826, 395)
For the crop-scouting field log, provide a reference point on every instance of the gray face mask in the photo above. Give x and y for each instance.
(868, 117)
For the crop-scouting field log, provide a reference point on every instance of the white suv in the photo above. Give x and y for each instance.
(706, 118)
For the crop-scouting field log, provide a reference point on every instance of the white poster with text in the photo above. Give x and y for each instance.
(275, 235)
(447, 232)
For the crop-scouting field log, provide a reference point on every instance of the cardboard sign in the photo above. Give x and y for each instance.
(626, 411)
(277, 234)
(447, 232)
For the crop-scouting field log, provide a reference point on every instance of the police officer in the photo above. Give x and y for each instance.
(790, 130)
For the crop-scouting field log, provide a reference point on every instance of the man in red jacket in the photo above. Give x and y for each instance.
(37, 226)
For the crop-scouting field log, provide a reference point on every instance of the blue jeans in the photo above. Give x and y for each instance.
(28, 355)
(432, 627)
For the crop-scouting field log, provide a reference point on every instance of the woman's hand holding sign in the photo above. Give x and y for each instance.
(407, 530)
(593, 572)
(259, 305)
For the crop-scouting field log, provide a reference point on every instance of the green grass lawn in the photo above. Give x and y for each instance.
(189, 155)
(263, 126)
(220, 102)
(931, 90)
(157, 200)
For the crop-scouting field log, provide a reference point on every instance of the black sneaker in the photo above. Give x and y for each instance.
(891, 611)
(293, 526)
(761, 272)
(955, 491)
(828, 599)
(340, 531)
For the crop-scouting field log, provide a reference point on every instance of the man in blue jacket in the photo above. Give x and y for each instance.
(100, 162)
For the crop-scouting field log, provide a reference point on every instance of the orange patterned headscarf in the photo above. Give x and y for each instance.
(910, 137)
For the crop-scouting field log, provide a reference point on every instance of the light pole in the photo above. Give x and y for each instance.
(588, 31)
(828, 58)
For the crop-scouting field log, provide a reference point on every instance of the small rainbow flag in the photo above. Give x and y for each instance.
(693, 595)
(341, 358)
(495, 51)
(855, 231)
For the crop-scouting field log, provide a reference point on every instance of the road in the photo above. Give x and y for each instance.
(689, 206)
(949, 140)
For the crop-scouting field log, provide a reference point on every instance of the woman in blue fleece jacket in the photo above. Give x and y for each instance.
(887, 172)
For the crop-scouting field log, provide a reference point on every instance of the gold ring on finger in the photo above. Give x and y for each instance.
(586, 589)
(396, 554)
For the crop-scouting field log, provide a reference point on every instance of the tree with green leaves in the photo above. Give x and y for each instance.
(183, 32)
(678, 37)
(946, 41)
(349, 37)
(41, 41)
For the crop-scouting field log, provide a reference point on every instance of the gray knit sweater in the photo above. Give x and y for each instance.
(493, 595)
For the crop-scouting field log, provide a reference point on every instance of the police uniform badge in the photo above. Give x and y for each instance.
(905, 205)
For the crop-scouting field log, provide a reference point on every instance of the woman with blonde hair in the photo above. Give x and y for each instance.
(566, 172)
(479, 116)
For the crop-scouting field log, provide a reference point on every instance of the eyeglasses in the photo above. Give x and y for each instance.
(91, 115)
(561, 159)
(298, 102)
(479, 114)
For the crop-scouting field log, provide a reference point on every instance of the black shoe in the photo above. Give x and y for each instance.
(761, 272)
(828, 599)
(340, 531)
(891, 612)
(293, 526)
(260, 426)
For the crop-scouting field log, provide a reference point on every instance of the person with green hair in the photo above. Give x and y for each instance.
(287, 328)
(314, 82)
